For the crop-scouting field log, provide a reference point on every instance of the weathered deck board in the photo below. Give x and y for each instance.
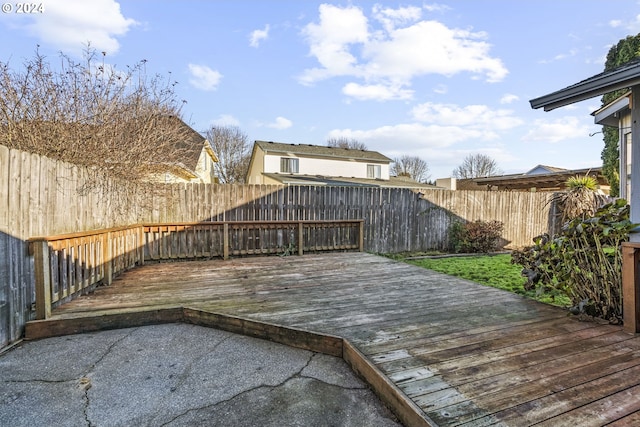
(464, 353)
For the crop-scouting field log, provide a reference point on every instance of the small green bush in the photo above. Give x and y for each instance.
(475, 237)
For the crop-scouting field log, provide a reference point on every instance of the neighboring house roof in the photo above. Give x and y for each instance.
(621, 77)
(541, 169)
(393, 182)
(191, 143)
(551, 180)
(322, 151)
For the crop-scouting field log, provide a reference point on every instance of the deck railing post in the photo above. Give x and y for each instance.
(141, 244)
(631, 286)
(42, 266)
(225, 241)
(300, 238)
(108, 259)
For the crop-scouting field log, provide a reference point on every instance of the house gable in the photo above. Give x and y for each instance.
(197, 163)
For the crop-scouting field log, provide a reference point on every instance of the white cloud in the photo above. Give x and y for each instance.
(225, 120)
(429, 47)
(390, 18)
(436, 7)
(557, 130)
(470, 116)
(377, 92)
(441, 89)
(281, 123)
(615, 23)
(442, 134)
(508, 98)
(631, 25)
(564, 55)
(428, 141)
(203, 77)
(442, 144)
(409, 135)
(330, 39)
(69, 25)
(436, 144)
(257, 36)
(346, 43)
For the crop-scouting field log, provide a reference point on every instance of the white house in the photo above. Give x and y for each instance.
(303, 164)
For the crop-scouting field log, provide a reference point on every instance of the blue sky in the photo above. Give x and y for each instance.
(437, 80)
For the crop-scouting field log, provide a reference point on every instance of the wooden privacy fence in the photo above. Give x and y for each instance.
(71, 264)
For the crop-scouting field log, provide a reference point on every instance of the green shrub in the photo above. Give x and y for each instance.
(475, 237)
(584, 261)
(456, 236)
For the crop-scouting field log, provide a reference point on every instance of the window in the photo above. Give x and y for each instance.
(373, 171)
(288, 165)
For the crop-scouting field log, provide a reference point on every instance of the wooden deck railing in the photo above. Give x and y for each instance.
(68, 265)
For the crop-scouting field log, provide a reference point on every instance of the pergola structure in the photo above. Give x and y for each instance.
(623, 77)
(553, 181)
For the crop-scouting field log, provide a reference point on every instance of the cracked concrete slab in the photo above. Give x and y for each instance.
(180, 375)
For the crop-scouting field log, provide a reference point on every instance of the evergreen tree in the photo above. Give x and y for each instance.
(626, 50)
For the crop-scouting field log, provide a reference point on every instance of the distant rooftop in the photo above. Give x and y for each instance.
(322, 151)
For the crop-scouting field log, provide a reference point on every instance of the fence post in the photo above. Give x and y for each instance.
(361, 236)
(42, 266)
(300, 238)
(631, 287)
(225, 241)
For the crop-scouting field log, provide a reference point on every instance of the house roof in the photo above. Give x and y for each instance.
(190, 143)
(544, 180)
(392, 182)
(543, 169)
(322, 151)
(621, 77)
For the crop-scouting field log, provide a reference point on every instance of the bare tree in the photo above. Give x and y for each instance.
(121, 126)
(231, 146)
(342, 142)
(477, 166)
(412, 166)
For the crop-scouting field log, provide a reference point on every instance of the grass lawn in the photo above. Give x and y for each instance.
(491, 270)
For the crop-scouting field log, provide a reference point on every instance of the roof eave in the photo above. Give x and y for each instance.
(610, 113)
(590, 88)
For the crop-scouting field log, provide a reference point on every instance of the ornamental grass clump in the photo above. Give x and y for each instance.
(580, 200)
(584, 261)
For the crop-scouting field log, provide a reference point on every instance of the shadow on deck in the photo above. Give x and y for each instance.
(437, 349)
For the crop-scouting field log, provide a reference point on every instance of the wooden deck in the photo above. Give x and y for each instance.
(465, 354)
